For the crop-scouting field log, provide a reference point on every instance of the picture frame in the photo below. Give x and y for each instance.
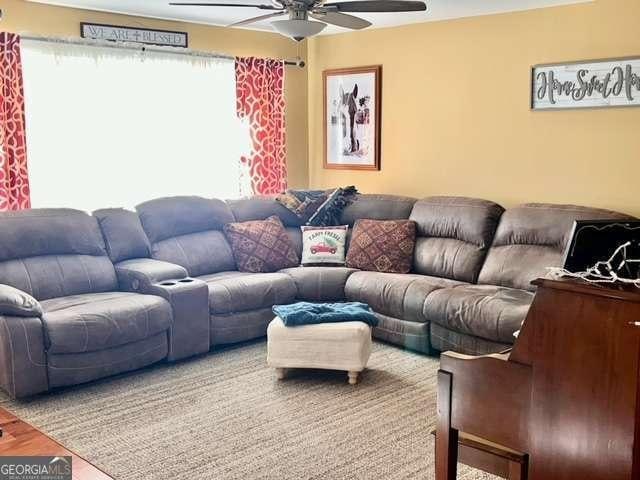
(120, 33)
(351, 115)
(586, 84)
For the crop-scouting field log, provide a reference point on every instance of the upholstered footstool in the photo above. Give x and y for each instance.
(331, 346)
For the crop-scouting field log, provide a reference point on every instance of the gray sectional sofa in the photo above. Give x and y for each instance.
(86, 296)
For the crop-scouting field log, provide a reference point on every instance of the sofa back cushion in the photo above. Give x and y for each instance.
(123, 234)
(377, 207)
(453, 235)
(187, 231)
(51, 253)
(532, 237)
(262, 207)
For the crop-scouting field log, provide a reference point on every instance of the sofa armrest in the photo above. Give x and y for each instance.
(140, 273)
(23, 361)
(188, 297)
(16, 303)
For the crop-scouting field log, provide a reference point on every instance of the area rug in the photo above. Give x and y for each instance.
(225, 416)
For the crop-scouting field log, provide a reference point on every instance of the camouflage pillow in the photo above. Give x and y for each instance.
(382, 245)
(261, 246)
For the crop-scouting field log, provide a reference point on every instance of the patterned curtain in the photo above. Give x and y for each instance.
(260, 101)
(14, 181)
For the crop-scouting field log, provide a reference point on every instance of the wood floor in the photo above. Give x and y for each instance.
(20, 438)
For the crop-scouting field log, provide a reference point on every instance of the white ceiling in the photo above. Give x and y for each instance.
(436, 10)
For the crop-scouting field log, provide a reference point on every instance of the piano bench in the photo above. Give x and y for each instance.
(491, 457)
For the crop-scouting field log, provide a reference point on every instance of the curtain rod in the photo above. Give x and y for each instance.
(143, 48)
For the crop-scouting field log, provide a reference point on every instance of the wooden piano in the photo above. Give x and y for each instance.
(566, 396)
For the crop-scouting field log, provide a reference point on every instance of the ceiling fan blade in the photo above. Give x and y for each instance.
(378, 6)
(341, 20)
(255, 19)
(261, 7)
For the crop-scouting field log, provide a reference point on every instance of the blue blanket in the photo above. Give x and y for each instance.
(305, 313)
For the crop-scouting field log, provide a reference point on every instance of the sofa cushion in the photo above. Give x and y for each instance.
(395, 295)
(319, 284)
(486, 311)
(96, 321)
(261, 207)
(187, 231)
(168, 217)
(377, 207)
(51, 253)
(49, 231)
(453, 235)
(51, 276)
(231, 292)
(261, 246)
(382, 245)
(199, 253)
(532, 237)
(123, 234)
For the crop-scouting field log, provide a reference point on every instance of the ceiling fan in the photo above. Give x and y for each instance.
(298, 26)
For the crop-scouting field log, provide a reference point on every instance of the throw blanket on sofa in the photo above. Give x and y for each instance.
(318, 207)
(305, 313)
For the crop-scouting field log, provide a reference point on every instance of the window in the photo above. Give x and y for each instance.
(109, 127)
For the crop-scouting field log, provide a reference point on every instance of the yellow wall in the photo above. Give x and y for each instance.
(455, 101)
(21, 16)
(456, 116)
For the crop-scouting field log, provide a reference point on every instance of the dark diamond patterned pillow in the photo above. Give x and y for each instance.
(261, 246)
(382, 245)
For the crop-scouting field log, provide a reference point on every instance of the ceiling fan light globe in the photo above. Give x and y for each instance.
(298, 29)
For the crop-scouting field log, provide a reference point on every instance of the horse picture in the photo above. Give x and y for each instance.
(351, 118)
(347, 111)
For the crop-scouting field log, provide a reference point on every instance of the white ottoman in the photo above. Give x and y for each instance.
(332, 346)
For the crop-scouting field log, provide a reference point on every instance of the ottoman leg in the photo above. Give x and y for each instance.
(280, 373)
(353, 377)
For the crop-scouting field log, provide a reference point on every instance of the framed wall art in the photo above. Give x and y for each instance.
(352, 101)
(613, 82)
(116, 33)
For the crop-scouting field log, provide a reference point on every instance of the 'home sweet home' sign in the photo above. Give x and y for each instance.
(591, 84)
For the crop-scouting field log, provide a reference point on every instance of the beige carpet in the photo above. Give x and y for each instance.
(225, 416)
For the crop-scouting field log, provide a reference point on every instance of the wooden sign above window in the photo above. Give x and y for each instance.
(167, 38)
(588, 84)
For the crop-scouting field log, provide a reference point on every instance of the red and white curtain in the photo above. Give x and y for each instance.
(260, 101)
(14, 181)
(260, 105)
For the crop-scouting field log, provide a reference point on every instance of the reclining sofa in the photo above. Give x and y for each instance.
(87, 296)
